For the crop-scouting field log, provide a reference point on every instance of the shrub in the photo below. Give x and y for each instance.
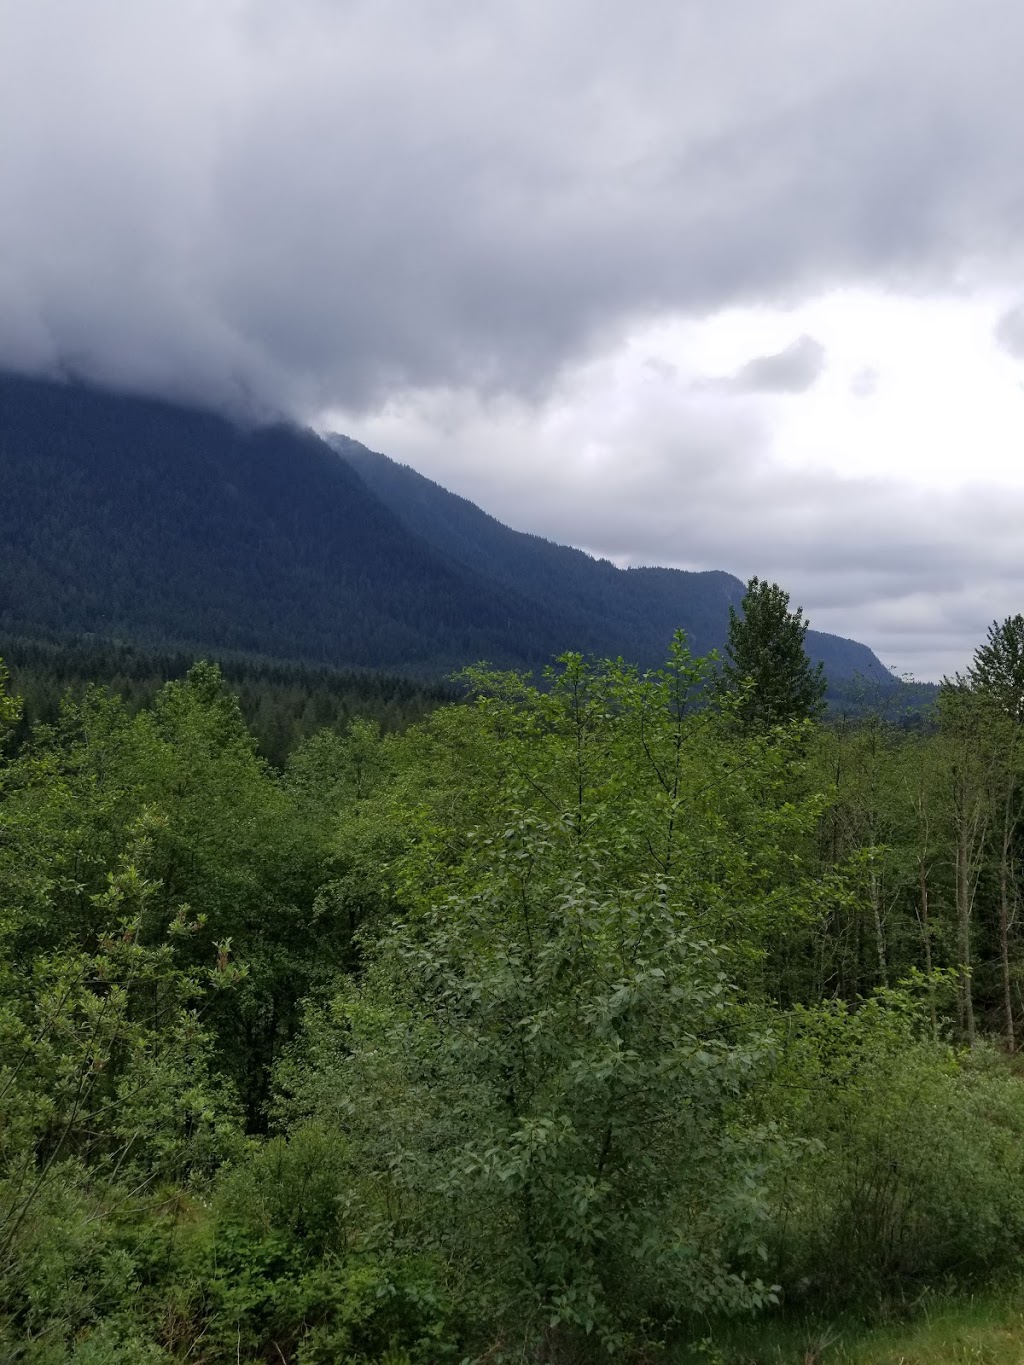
(556, 1086)
(914, 1168)
(281, 1269)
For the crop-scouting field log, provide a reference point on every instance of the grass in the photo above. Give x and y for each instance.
(987, 1330)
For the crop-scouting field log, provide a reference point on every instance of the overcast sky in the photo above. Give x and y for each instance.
(715, 283)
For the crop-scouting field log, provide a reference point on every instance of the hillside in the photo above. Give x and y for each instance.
(633, 611)
(141, 521)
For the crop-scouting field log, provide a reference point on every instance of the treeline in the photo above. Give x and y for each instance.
(926, 828)
(282, 704)
(552, 1027)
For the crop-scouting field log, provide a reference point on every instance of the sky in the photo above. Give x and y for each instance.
(710, 283)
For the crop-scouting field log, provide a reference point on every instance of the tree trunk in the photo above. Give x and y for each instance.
(926, 937)
(1004, 923)
(876, 910)
(963, 928)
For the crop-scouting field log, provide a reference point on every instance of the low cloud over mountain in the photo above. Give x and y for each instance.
(347, 207)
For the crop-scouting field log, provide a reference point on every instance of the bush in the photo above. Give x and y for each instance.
(280, 1269)
(914, 1164)
(79, 1289)
(557, 1084)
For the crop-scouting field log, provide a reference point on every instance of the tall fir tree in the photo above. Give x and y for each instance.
(767, 669)
(997, 669)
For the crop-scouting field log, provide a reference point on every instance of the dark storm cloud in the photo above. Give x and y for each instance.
(342, 204)
(312, 203)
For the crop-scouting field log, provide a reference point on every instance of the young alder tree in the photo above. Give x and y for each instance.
(966, 814)
(543, 1069)
(766, 665)
(996, 677)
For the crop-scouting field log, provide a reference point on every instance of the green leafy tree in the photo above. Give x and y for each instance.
(107, 1079)
(603, 755)
(766, 666)
(226, 839)
(554, 1025)
(230, 844)
(869, 833)
(996, 678)
(563, 1070)
(913, 1169)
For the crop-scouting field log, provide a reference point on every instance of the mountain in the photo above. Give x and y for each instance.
(139, 520)
(144, 521)
(632, 612)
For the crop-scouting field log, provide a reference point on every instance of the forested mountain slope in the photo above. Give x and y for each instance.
(630, 611)
(144, 521)
(140, 520)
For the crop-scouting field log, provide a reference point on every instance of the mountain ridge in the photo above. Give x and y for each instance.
(640, 602)
(148, 521)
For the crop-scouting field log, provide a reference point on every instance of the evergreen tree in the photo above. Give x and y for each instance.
(998, 666)
(767, 669)
(10, 707)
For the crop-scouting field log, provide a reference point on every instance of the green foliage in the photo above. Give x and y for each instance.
(562, 1073)
(635, 766)
(916, 1162)
(766, 667)
(226, 839)
(539, 1030)
(938, 1328)
(10, 707)
(283, 704)
(998, 665)
(281, 1265)
(107, 1087)
(265, 1267)
(563, 1055)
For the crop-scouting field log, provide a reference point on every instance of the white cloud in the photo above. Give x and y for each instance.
(893, 516)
